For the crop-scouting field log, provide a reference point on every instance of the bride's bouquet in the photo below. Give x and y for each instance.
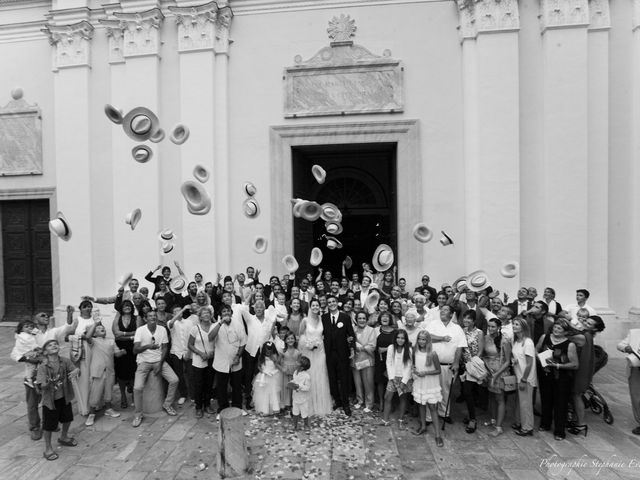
(312, 343)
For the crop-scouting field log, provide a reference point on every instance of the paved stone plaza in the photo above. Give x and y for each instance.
(337, 448)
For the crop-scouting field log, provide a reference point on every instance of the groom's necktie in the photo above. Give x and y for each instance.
(333, 319)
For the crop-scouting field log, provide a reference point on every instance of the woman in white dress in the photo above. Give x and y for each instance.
(81, 354)
(311, 345)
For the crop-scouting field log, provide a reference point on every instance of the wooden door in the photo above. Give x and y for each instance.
(26, 252)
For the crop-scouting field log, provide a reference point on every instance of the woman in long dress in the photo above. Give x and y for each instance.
(311, 345)
(81, 355)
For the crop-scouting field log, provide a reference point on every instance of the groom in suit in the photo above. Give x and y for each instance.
(338, 334)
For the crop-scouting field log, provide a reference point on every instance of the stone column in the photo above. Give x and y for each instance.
(196, 38)
(222, 180)
(489, 31)
(634, 173)
(136, 82)
(71, 64)
(563, 173)
(598, 154)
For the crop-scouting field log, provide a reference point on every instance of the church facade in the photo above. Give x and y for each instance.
(513, 126)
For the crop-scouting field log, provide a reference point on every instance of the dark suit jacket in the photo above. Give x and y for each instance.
(548, 324)
(513, 306)
(335, 338)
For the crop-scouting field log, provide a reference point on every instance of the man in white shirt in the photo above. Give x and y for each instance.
(259, 329)
(180, 329)
(582, 296)
(448, 341)
(151, 345)
(230, 339)
(631, 346)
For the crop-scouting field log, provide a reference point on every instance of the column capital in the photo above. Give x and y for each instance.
(599, 15)
(71, 44)
(223, 28)
(563, 14)
(196, 26)
(141, 32)
(486, 16)
(115, 34)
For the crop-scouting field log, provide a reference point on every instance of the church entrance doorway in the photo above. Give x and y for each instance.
(361, 181)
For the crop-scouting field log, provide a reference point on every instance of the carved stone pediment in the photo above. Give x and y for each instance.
(20, 137)
(343, 78)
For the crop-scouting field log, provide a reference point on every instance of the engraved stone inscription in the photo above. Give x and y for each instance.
(20, 137)
(343, 79)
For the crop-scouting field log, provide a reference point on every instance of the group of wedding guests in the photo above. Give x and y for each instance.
(304, 344)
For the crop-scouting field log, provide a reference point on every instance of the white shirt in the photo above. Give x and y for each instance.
(201, 343)
(259, 332)
(180, 331)
(227, 342)
(447, 350)
(145, 337)
(520, 352)
(522, 306)
(573, 310)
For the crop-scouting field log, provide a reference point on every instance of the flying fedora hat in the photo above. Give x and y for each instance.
(348, 263)
(113, 114)
(297, 205)
(422, 233)
(310, 211)
(140, 124)
(260, 244)
(478, 281)
(333, 243)
(60, 227)
(445, 239)
(158, 136)
(167, 247)
(383, 258)
(332, 227)
(460, 282)
(133, 217)
(330, 212)
(177, 285)
(510, 270)
(166, 235)
(250, 189)
(201, 173)
(125, 279)
(371, 302)
(141, 153)
(197, 198)
(316, 257)
(319, 173)
(251, 208)
(179, 134)
(290, 263)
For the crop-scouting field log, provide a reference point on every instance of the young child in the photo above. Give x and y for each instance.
(289, 361)
(426, 383)
(268, 382)
(54, 377)
(26, 350)
(301, 385)
(277, 336)
(102, 373)
(398, 365)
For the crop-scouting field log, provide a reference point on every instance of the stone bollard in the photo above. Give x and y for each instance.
(233, 456)
(153, 394)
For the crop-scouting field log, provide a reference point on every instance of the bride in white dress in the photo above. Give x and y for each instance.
(311, 345)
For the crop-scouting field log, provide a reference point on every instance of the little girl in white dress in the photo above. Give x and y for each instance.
(426, 383)
(268, 382)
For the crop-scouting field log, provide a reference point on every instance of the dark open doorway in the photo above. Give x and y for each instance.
(361, 181)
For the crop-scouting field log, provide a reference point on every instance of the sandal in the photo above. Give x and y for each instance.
(420, 431)
(50, 456)
(71, 442)
(384, 423)
(439, 442)
(124, 404)
(471, 427)
(491, 423)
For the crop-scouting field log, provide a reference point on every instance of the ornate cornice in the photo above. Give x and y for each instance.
(487, 16)
(223, 29)
(115, 35)
(71, 44)
(141, 32)
(599, 15)
(196, 26)
(563, 14)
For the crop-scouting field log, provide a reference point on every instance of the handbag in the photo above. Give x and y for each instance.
(362, 364)
(510, 383)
